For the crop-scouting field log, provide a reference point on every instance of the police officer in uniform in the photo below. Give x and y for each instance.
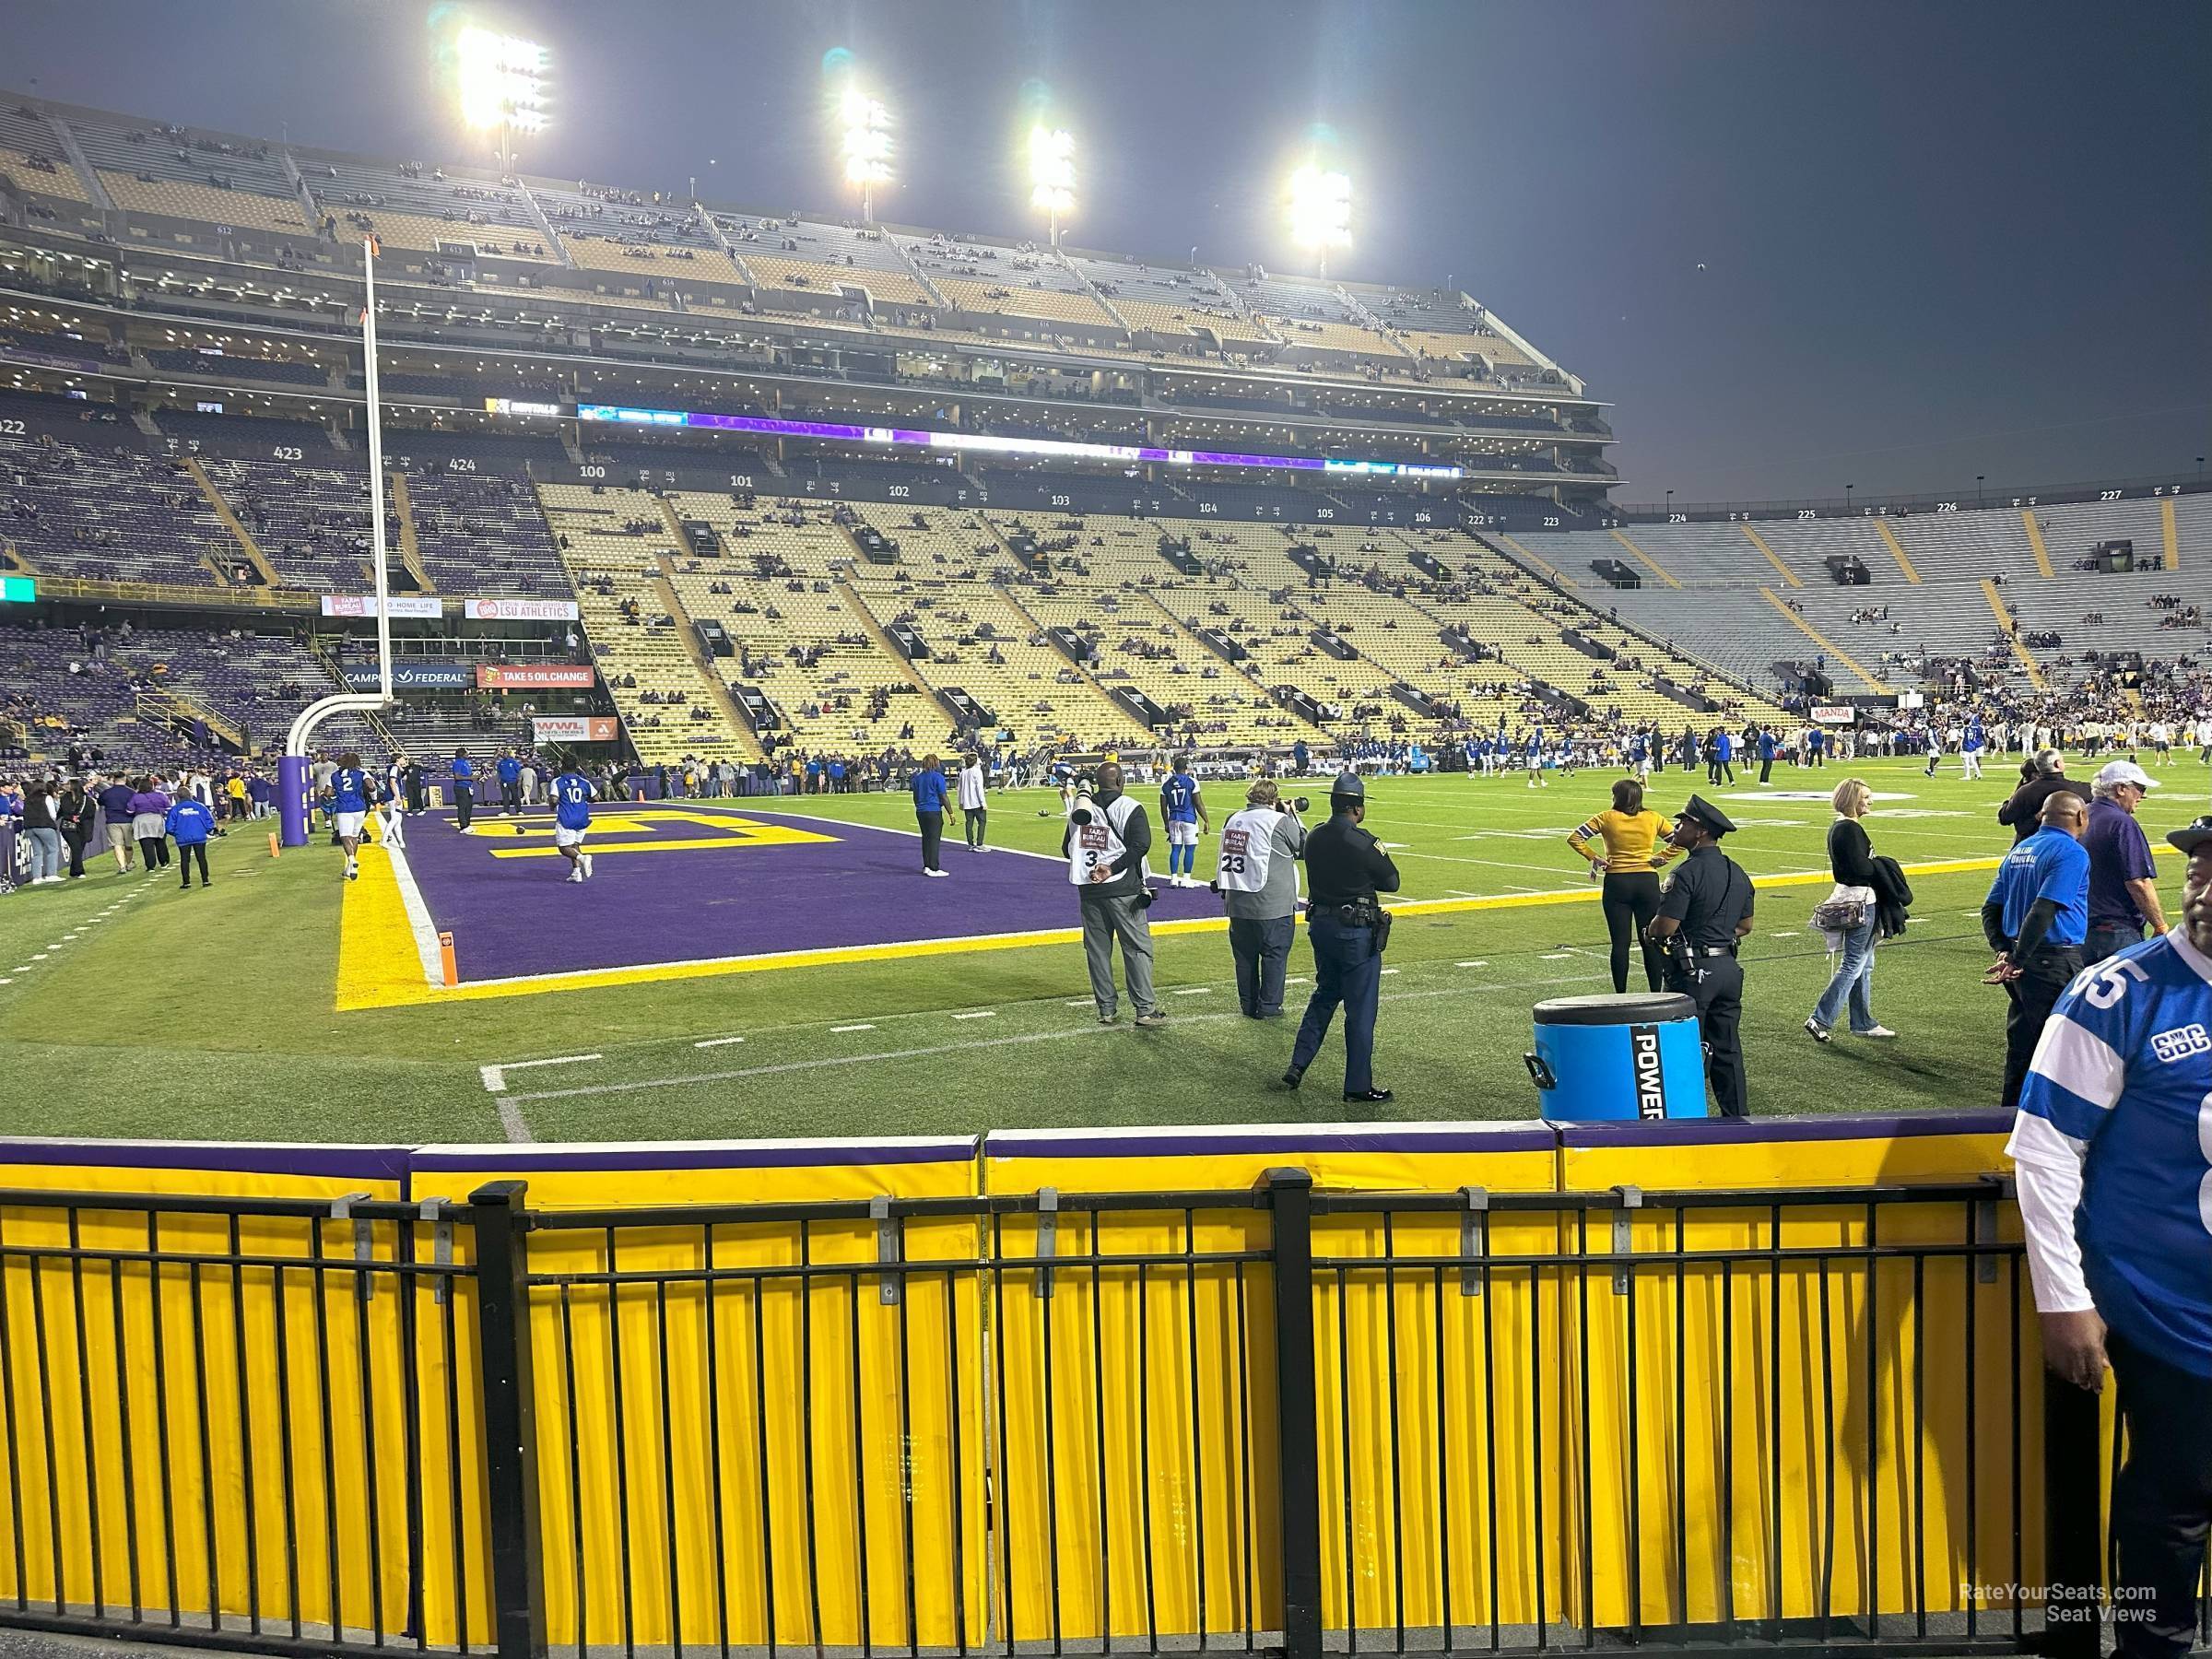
(1703, 913)
(1346, 868)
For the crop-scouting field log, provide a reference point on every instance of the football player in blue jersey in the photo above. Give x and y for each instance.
(350, 809)
(573, 821)
(1183, 809)
(2112, 1146)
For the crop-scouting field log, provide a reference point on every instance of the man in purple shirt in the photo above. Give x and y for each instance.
(2124, 882)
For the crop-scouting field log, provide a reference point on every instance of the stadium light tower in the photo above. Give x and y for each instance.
(865, 140)
(1321, 212)
(502, 85)
(1052, 175)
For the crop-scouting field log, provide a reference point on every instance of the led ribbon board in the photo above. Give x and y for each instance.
(990, 443)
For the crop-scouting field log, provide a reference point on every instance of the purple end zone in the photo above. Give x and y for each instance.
(511, 917)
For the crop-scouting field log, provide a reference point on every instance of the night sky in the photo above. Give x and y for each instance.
(1936, 239)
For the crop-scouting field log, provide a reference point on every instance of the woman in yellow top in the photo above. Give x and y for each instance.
(1636, 845)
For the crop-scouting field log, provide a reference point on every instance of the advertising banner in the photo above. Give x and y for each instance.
(535, 676)
(1834, 714)
(577, 728)
(518, 610)
(399, 604)
(415, 676)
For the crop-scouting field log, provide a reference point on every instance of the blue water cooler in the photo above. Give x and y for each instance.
(1632, 1057)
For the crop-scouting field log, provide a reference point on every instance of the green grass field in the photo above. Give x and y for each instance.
(209, 1014)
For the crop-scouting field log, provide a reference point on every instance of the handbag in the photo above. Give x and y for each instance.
(1839, 915)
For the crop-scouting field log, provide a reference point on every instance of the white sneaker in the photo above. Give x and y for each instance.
(1880, 1032)
(586, 861)
(932, 872)
(575, 876)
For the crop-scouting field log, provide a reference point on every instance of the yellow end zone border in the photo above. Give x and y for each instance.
(381, 964)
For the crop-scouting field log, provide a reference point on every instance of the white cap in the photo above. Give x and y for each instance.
(2123, 771)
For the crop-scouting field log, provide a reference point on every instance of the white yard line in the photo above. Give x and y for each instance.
(978, 1014)
(513, 1123)
(818, 1063)
(716, 1041)
(851, 1028)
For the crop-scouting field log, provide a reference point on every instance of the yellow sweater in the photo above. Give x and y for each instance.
(1630, 840)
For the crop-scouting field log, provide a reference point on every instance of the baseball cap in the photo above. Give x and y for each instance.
(2195, 835)
(2123, 771)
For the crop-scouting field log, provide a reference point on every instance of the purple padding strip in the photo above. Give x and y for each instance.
(370, 1163)
(613, 1160)
(1514, 1137)
(1744, 1132)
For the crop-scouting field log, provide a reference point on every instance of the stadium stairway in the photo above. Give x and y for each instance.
(410, 544)
(1868, 682)
(2011, 625)
(1780, 569)
(724, 704)
(248, 547)
(1083, 674)
(1656, 568)
(882, 640)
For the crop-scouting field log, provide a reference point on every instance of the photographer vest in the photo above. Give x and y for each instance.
(1099, 841)
(1247, 850)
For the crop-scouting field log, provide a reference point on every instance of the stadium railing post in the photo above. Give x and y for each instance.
(1297, 1481)
(2073, 1538)
(518, 1579)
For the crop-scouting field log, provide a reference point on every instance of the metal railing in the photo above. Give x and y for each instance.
(1277, 1420)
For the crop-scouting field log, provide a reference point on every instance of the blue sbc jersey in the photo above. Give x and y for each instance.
(1976, 737)
(572, 801)
(350, 790)
(2124, 1070)
(1179, 797)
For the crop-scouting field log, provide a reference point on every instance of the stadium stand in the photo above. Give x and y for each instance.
(104, 510)
(615, 545)
(483, 534)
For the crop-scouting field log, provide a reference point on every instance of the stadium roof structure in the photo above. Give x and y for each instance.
(140, 181)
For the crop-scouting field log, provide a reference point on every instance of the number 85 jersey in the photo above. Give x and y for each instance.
(2122, 1082)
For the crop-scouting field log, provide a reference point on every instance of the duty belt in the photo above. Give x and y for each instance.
(1728, 950)
(1359, 913)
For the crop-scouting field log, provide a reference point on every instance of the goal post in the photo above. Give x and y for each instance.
(292, 766)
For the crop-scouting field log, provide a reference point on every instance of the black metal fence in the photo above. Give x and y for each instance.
(1275, 1421)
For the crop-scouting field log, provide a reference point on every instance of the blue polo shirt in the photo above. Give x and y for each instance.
(2048, 864)
(930, 794)
(1766, 746)
(510, 770)
(464, 769)
(2119, 853)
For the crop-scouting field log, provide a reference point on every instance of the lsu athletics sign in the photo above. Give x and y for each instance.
(519, 610)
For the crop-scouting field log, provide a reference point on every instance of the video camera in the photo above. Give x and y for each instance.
(1296, 806)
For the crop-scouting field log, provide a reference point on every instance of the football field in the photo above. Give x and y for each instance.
(742, 968)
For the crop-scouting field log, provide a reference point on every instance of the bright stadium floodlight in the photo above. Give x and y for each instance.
(1052, 175)
(1321, 212)
(865, 140)
(502, 85)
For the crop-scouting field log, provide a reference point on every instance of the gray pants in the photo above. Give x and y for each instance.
(1262, 949)
(1104, 920)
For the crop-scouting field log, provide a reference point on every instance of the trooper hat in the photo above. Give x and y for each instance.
(1346, 786)
(1707, 813)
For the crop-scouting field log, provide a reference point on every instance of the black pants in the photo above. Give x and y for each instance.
(1766, 769)
(1630, 898)
(2046, 973)
(972, 820)
(2108, 938)
(1716, 985)
(932, 836)
(76, 843)
(2161, 1502)
(465, 803)
(153, 852)
(1262, 949)
(186, 853)
(511, 795)
(1348, 969)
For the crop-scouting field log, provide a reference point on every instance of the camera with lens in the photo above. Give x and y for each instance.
(1081, 815)
(1295, 806)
